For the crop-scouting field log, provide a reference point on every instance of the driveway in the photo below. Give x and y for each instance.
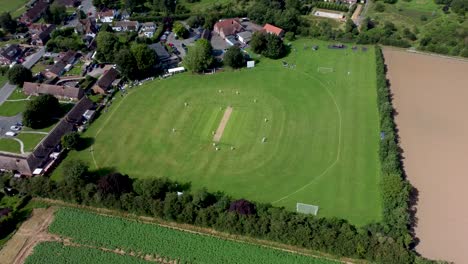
(8, 88)
(87, 7)
(178, 42)
(7, 122)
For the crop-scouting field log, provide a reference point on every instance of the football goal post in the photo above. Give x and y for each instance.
(324, 70)
(307, 208)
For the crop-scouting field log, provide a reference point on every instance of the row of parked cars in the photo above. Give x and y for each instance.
(14, 130)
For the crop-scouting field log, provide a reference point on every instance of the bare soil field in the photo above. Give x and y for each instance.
(430, 97)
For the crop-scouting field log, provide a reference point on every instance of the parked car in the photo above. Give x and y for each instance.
(10, 134)
(15, 128)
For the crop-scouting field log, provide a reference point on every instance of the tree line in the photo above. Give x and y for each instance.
(175, 201)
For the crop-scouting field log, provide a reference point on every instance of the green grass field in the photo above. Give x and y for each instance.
(30, 140)
(99, 232)
(203, 4)
(9, 145)
(11, 5)
(322, 133)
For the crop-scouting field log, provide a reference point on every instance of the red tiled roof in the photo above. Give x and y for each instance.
(229, 26)
(272, 29)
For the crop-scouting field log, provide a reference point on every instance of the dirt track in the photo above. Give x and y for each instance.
(431, 98)
(31, 232)
(222, 125)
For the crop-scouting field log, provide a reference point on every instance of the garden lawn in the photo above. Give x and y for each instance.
(3, 80)
(12, 108)
(10, 145)
(30, 140)
(322, 132)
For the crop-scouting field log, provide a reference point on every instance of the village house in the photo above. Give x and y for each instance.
(59, 91)
(124, 26)
(147, 29)
(68, 3)
(270, 29)
(228, 27)
(107, 81)
(63, 62)
(10, 54)
(35, 12)
(86, 27)
(45, 154)
(40, 33)
(244, 37)
(106, 16)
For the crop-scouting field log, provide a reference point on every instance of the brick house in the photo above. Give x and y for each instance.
(228, 27)
(59, 91)
(106, 81)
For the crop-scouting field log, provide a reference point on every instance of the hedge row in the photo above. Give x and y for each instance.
(395, 188)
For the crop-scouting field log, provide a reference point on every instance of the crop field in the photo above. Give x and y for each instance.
(306, 133)
(93, 238)
(57, 253)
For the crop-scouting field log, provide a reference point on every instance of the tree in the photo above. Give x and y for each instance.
(40, 111)
(115, 184)
(7, 23)
(460, 6)
(234, 57)
(126, 64)
(70, 140)
(258, 42)
(242, 207)
(275, 48)
(55, 14)
(75, 171)
(290, 36)
(199, 57)
(19, 74)
(107, 46)
(195, 21)
(180, 30)
(144, 56)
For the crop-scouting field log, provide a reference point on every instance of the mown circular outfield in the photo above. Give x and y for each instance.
(277, 134)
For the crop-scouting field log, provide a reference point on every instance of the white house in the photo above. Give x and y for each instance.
(106, 16)
(148, 29)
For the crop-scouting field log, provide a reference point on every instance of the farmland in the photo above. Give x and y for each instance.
(432, 111)
(56, 253)
(94, 238)
(321, 128)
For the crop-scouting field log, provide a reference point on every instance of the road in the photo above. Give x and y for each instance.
(8, 88)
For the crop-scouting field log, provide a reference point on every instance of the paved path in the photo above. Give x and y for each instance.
(21, 144)
(33, 132)
(8, 88)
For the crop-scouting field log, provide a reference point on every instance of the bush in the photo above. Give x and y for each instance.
(379, 7)
(180, 30)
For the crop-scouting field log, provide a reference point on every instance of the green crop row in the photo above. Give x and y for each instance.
(56, 253)
(118, 233)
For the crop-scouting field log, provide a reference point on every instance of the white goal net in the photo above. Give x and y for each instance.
(307, 208)
(324, 70)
